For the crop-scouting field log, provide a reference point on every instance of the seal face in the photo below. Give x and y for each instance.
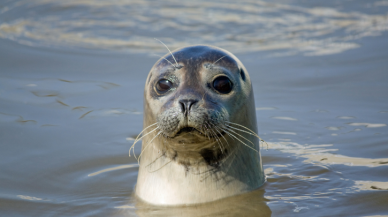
(196, 98)
(192, 100)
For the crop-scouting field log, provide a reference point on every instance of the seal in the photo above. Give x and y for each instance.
(199, 142)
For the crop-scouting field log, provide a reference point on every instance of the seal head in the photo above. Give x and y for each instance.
(196, 98)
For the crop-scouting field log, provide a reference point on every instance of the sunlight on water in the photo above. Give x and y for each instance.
(68, 117)
(131, 26)
(113, 169)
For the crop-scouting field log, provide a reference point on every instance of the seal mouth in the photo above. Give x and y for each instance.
(188, 130)
(193, 130)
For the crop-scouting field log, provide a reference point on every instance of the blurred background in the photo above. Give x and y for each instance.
(72, 75)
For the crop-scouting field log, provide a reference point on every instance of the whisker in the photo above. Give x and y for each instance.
(231, 153)
(207, 132)
(241, 130)
(253, 133)
(160, 167)
(230, 134)
(155, 159)
(221, 134)
(149, 143)
(218, 60)
(219, 142)
(231, 161)
(235, 133)
(215, 128)
(144, 130)
(243, 127)
(165, 59)
(215, 137)
(169, 51)
(138, 139)
(212, 131)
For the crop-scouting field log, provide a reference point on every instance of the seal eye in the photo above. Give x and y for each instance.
(222, 84)
(163, 85)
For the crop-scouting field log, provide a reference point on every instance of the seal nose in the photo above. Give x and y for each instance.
(186, 105)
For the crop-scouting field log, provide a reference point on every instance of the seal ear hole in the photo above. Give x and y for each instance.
(149, 79)
(242, 74)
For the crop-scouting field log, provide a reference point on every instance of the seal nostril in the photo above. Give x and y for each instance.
(186, 105)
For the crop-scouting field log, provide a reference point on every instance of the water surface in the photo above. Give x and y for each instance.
(72, 75)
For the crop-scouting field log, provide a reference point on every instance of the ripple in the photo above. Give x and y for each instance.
(109, 112)
(284, 133)
(241, 27)
(5, 117)
(320, 153)
(113, 169)
(334, 128)
(265, 108)
(285, 118)
(48, 90)
(368, 125)
(24, 197)
(371, 185)
(346, 117)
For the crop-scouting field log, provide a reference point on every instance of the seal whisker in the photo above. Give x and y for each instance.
(207, 132)
(169, 51)
(157, 158)
(221, 134)
(216, 128)
(165, 59)
(160, 167)
(146, 146)
(242, 130)
(230, 154)
(218, 60)
(145, 129)
(235, 133)
(243, 143)
(219, 142)
(233, 150)
(253, 133)
(261, 140)
(138, 139)
(243, 127)
(216, 138)
(233, 155)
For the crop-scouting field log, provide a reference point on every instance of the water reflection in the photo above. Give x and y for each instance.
(250, 204)
(324, 117)
(324, 155)
(131, 25)
(113, 169)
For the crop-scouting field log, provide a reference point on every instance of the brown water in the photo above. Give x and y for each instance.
(72, 75)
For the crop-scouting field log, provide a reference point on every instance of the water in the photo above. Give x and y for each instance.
(72, 75)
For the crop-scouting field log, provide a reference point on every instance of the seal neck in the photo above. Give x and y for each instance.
(163, 181)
